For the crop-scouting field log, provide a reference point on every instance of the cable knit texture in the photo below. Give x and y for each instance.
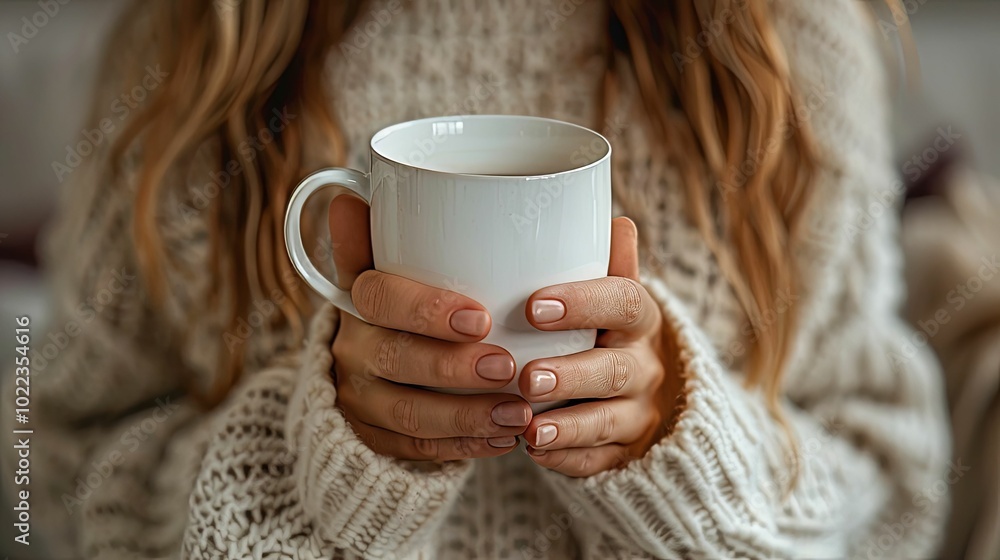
(127, 467)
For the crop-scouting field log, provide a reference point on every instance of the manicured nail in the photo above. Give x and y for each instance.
(511, 414)
(545, 434)
(547, 310)
(533, 451)
(471, 322)
(495, 367)
(541, 382)
(502, 441)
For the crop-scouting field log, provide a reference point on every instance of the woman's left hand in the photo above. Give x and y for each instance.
(629, 392)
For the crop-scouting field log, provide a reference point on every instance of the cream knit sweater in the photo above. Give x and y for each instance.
(276, 472)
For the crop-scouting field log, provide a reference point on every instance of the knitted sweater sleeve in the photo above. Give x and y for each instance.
(284, 472)
(871, 449)
(126, 465)
(863, 399)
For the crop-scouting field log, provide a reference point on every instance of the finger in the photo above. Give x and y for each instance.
(418, 360)
(425, 414)
(624, 249)
(614, 303)
(402, 304)
(593, 374)
(591, 424)
(417, 449)
(350, 235)
(582, 462)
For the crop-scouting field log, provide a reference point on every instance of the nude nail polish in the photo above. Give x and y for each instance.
(495, 367)
(502, 442)
(511, 414)
(547, 310)
(471, 322)
(541, 382)
(545, 434)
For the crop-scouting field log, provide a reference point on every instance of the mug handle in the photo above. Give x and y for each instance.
(324, 178)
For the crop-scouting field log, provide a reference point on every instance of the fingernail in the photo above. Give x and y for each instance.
(471, 322)
(495, 367)
(511, 414)
(547, 310)
(545, 434)
(535, 452)
(502, 441)
(541, 382)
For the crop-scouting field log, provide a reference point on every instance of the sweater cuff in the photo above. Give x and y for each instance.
(696, 486)
(359, 500)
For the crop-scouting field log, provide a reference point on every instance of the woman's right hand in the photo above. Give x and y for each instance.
(416, 336)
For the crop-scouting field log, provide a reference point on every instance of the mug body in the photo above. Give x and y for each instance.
(494, 208)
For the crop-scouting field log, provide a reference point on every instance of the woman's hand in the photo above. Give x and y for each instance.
(423, 336)
(630, 393)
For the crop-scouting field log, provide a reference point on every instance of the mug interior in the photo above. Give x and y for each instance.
(491, 145)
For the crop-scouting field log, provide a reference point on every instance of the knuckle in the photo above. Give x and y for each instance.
(447, 369)
(371, 296)
(387, 353)
(464, 421)
(604, 424)
(463, 448)
(404, 413)
(576, 375)
(573, 425)
(628, 300)
(614, 372)
(427, 448)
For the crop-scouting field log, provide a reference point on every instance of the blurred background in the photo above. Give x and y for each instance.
(44, 91)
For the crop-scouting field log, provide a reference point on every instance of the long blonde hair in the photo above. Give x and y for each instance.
(230, 63)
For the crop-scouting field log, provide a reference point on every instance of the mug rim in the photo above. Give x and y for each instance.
(383, 133)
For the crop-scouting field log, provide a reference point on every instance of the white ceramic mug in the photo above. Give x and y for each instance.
(494, 207)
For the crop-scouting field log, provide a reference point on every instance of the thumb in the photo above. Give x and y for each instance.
(350, 233)
(624, 249)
